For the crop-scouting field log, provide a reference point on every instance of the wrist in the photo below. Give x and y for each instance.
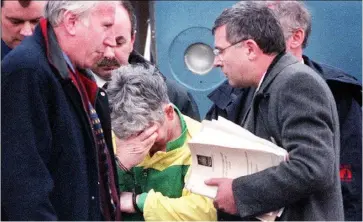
(134, 202)
(122, 166)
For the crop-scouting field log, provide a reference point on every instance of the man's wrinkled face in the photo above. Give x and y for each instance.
(96, 34)
(18, 22)
(124, 45)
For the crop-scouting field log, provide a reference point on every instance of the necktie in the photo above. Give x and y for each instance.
(109, 197)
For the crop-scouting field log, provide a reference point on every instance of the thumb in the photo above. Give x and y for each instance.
(213, 181)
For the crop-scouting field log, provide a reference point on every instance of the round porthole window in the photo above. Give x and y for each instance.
(199, 58)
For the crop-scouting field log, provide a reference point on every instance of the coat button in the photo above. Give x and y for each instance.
(103, 93)
(93, 197)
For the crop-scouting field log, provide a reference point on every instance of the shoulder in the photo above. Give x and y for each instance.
(331, 73)
(299, 73)
(29, 55)
(193, 126)
(176, 89)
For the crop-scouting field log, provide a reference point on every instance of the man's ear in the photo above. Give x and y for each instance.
(252, 49)
(133, 37)
(169, 111)
(297, 38)
(70, 22)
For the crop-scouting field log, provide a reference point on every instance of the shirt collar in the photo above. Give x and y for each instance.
(68, 61)
(100, 82)
(261, 80)
(172, 145)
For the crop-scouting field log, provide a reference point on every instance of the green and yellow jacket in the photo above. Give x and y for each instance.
(160, 180)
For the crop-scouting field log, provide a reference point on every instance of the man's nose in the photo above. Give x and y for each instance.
(27, 29)
(109, 52)
(217, 62)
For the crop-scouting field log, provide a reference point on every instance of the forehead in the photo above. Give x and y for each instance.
(14, 9)
(104, 9)
(220, 37)
(122, 21)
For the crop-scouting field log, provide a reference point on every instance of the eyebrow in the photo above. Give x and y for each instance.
(22, 20)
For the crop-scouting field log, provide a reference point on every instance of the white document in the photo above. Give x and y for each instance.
(223, 149)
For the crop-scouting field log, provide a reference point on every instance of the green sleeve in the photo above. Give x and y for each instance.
(141, 201)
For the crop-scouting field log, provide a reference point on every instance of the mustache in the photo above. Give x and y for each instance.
(105, 62)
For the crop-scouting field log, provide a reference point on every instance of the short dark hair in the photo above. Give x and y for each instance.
(130, 10)
(23, 3)
(250, 20)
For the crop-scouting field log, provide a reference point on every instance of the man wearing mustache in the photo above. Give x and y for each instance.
(125, 24)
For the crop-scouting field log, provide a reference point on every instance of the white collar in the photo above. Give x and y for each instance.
(261, 80)
(99, 81)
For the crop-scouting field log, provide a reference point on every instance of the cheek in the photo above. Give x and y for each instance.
(122, 55)
(10, 28)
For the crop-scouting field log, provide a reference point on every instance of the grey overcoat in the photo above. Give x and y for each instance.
(294, 108)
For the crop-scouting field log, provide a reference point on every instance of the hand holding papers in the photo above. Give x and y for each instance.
(223, 149)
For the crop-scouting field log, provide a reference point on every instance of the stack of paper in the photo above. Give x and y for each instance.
(223, 149)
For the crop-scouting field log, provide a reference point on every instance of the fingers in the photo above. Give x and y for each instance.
(213, 181)
(146, 145)
(147, 132)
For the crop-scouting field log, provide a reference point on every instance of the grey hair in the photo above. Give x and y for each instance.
(136, 94)
(293, 15)
(251, 20)
(54, 10)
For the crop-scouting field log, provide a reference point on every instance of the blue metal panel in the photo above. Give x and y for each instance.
(336, 39)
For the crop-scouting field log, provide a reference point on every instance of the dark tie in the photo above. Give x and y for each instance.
(105, 86)
(109, 197)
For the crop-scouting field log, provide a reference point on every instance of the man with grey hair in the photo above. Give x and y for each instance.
(250, 49)
(151, 177)
(57, 156)
(125, 26)
(295, 20)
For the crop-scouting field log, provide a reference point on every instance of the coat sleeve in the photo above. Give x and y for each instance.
(188, 207)
(26, 183)
(307, 124)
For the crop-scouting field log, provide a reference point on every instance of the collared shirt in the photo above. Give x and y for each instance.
(68, 61)
(99, 81)
(261, 80)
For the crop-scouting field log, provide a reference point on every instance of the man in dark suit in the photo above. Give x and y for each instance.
(57, 160)
(232, 103)
(250, 50)
(124, 54)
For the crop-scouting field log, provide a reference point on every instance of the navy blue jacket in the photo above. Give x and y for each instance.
(48, 153)
(232, 103)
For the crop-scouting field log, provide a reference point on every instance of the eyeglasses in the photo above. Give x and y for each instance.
(218, 52)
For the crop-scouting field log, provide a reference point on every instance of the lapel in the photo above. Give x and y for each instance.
(280, 62)
(61, 71)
